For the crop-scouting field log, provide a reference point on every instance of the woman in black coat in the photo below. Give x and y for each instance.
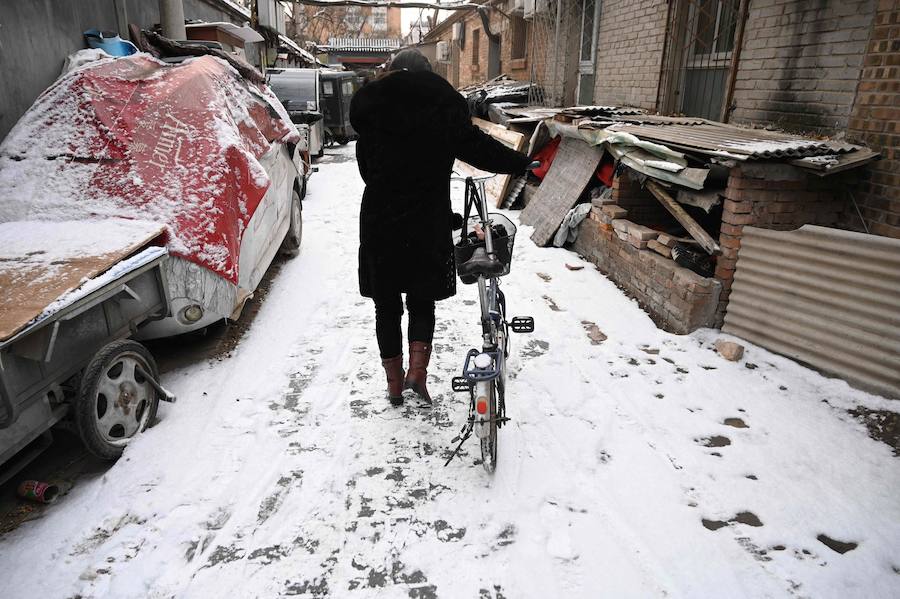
(412, 125)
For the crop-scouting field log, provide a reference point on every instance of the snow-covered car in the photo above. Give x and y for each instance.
(193, 146)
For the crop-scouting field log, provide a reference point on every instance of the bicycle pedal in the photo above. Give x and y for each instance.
(461, 384)
(522, 324)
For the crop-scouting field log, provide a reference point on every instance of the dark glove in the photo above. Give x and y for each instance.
(456, 221)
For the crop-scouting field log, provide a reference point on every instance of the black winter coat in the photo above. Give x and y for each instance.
(411, 126)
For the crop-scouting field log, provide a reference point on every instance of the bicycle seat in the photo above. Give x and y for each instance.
(481, 264)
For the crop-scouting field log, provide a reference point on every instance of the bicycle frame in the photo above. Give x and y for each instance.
(484, 371)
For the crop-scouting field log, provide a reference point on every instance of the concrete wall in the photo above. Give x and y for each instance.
(800, 63)
(37, 35)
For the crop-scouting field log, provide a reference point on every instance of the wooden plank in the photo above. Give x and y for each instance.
(42, 261)
(695, 230)
(573, 168)
(496, 188)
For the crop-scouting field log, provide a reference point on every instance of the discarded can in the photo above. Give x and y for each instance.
(37, 491)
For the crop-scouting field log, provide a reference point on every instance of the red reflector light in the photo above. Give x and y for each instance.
(481, 405)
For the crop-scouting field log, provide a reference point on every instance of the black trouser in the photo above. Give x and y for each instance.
(389, 309)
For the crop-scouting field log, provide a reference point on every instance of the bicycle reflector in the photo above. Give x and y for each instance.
(481, 405)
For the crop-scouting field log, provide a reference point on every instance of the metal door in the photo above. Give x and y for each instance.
(700, 57)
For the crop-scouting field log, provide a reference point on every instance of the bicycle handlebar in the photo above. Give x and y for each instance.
(454, 176)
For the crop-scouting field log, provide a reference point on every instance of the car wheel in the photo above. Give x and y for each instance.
(115, 400)
(291, 244)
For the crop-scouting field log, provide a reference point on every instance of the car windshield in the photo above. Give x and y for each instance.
(295, 89)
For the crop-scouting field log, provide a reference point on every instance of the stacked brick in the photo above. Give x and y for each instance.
(876, 123)
(678, 300)
(772, 196)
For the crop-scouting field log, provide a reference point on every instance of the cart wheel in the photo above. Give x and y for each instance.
(115, 402)
(291, 244)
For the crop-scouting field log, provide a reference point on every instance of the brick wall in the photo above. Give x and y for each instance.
(678, 300)
(800, 63)
(469, 74)
(643, 208)
(773, 196)
(875, 122)
(630, 44)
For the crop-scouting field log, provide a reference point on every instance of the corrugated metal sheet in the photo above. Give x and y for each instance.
(716, 138)
(826, 297)
(362, 44)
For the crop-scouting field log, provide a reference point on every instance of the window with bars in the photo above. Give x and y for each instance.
(590, 23)
(517, 36)
(699, 56)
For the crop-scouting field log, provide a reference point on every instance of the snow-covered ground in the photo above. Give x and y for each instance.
(643, 465)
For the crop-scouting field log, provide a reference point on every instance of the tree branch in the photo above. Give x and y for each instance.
(393, 4)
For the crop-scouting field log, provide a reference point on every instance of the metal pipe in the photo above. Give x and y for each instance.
(557, 98)
(171, 17)
(735, 60)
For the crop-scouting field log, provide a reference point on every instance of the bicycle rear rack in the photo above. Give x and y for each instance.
(474, 374)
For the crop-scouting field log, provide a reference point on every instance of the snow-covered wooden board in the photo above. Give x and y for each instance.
(496, 188)
(41, 261)
(573, 167)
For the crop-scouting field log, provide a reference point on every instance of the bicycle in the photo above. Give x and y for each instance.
(483, 260)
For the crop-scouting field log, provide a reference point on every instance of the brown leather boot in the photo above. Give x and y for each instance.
(419, 356)
(393, 368)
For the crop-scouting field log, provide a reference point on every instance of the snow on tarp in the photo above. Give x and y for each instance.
(138, 138)
(42, 261)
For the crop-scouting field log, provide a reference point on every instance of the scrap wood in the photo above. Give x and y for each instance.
(699, 198)
(572, 170)
(168, 47)
(496, 188)
(695, 230)
(659, 248)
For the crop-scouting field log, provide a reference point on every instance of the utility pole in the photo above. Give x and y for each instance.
(171, 17)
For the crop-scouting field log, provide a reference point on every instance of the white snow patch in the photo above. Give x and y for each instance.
(283, 470)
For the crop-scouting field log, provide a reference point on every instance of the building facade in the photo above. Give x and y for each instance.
(825, 68)
(471, 48)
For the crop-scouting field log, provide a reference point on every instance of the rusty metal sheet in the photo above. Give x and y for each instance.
(825, 297)
(720, 139)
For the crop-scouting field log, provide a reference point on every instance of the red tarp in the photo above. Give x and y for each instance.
(137, 138)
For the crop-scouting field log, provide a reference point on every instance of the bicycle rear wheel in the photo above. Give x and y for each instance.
(489, 442)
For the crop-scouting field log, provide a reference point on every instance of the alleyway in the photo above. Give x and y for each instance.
(637, 463)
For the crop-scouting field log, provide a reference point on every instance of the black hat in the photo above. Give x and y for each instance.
(409, 60)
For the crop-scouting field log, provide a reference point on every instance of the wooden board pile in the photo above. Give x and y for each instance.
(500, 189)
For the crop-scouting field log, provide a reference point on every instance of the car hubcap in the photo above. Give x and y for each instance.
(123, 400)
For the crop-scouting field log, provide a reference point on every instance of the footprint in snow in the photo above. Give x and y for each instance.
(836, 545)
(552, 304)
(714, 441)
(748, 518)
(594, 333)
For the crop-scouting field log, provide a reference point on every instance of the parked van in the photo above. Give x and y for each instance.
(338, 88)
(300, 91)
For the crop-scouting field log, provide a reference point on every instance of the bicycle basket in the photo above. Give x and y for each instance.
(504, 237)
